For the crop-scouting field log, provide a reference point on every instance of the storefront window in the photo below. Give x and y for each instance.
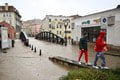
(93, 33)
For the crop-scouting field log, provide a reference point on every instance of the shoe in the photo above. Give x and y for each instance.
(104, 67)
(79, 62)
(88, 64)
(96, 67)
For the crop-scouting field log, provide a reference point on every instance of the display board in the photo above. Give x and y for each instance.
(4, 37)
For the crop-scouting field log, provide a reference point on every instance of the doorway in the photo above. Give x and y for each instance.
(93, 33)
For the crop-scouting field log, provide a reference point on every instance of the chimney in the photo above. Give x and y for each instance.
(6, 6)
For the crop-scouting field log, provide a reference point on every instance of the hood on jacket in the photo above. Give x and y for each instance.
(102, 34)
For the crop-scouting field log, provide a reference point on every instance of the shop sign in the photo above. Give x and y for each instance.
(97, 20)
(86, 22)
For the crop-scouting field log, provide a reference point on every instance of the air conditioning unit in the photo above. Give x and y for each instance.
(111, 20)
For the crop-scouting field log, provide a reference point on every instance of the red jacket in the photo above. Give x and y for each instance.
(100, 43)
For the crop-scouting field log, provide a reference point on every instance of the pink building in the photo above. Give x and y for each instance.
(36, 28)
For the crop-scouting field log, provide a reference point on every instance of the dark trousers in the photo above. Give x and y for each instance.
(101, 56)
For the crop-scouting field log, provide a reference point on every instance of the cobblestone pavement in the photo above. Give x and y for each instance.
(21, 63)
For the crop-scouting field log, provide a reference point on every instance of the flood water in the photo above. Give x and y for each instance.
(21, 63)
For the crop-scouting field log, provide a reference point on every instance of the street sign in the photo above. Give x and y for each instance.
(103, 22)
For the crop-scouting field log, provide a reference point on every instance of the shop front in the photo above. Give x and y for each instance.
(93, 27)
(108, 21)
(92, 32)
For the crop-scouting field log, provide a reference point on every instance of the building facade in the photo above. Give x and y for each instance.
(11, 15)
(59, 25)
(108, 21)
(32, 27)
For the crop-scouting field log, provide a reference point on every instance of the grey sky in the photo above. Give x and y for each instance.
(31, 9)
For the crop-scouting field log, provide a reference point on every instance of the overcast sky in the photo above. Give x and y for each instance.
(38, 9)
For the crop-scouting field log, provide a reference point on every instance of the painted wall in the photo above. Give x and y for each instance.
(113, 32)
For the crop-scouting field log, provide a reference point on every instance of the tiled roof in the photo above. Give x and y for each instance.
(10, 9)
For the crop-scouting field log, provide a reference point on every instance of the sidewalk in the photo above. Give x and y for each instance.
(17, 63)
(19, 50)
(21, 63)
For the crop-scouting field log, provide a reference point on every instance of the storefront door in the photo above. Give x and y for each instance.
(92, 32)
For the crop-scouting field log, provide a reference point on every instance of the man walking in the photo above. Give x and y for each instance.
(100, 48)
(83, 48)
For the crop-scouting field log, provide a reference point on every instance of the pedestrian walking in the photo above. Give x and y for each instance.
(100, 47)
(83, 48)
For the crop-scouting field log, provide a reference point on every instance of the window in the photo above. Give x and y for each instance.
(69, 26)
(9, 15)
(3, 15)
(60, 32)
(49, 20)
(73, 25)
(93, 33)
(60, 26)
(50, 26)
(55, 19)
(57, 26)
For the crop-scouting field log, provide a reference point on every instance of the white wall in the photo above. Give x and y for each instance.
(113, 32)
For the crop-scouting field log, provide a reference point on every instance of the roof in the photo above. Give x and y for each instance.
(10, 9)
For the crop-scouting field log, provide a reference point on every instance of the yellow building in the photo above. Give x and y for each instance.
(59, 25)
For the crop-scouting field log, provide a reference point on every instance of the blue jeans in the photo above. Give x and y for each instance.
(101, 56)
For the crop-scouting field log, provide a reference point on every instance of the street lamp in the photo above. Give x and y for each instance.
(65, 25)
(66, 21)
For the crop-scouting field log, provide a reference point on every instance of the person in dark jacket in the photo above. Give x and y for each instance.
(100, 48)
(83, 48)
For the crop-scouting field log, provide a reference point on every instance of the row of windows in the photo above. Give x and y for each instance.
(58, 26)
(59, 32)
(55, 20)
(7, 15)
(58, 20)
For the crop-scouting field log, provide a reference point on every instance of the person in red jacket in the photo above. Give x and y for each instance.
(100, 48)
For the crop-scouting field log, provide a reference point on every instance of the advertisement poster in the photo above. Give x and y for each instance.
(4, 37)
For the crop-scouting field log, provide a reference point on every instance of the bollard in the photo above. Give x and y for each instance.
(40, 53)
(65, 44)
(32, 47)
(35, 49)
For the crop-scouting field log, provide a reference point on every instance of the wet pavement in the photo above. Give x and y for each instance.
(21, 63)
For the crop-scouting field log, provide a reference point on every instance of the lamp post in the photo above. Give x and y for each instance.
(65, 25)
(66, 21)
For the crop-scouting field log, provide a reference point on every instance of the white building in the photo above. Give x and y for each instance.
(11, 15)
(108, 20)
